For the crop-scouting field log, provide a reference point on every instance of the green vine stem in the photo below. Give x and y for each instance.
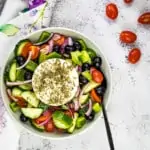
(41, 16)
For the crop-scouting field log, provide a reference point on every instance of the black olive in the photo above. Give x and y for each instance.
(91, 116)
(97, 60)
(28, 75)
(23, 118)
(69, 49)
(56, 48)
(20, 60)
(97, 65)
(82, 79)
(104, 83)
(77, 45)
(86, 66)
(100, 90)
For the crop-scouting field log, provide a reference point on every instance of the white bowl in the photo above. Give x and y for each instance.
(105, 67)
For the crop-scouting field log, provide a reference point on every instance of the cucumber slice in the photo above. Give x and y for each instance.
(71, 129)
(43, 106)
(12, 72)
(14, 107)
(19, 47)
(87, 75)
(61, 120)
(53, 55)
(83, 99)
(96, 107)
(84, 57)
(44, 36)
(20, 75)
(83, 45)
(37, 127)
(91, 53)
(16, 92)
(81, 121)
(30, 98)
(75, 57)
(26, 87)
(88, 87)
(32, 113)
(31, 65)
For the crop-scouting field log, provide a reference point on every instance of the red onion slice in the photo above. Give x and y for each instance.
(79, 69)
(78, 92)
(76, 105)
(70, 41)
(56, 37)
(89, 109)
(10, 95)
(28, 59)
(51, 44)
(18, 83)
(45, 122)
(62, 50)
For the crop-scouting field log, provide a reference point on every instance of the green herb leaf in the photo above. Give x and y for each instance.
(9, 29)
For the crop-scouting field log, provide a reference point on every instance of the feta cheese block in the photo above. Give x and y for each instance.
(55, 82)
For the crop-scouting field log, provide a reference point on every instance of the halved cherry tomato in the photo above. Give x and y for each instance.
(25, 50)
(97, 76)
(43, 117)
(60, 41)
(95, 97)
(112, 11)
(134, 55)
(127, 37)
(50, 127)
(144, 18)
(128, 1)
(33, 49)
(21, 102)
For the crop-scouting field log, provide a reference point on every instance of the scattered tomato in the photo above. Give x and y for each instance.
(144, 18)
(95, 97)
(43, 117)
(112, 11)
(128, 1)
(127, 37)
(97, 76)
(134, 55)
(50, 127)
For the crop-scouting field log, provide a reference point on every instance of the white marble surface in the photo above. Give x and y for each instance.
(128, 110)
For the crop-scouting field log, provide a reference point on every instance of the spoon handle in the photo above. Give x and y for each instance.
(109, 135)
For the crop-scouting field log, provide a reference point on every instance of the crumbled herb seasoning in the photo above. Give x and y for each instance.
(53, 82)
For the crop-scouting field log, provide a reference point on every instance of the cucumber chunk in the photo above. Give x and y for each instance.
(32, 113)
(14, 107)
(20, 75)
(91, 53)
(75, 57)
(84, 57)
(71, 129)
(26, 87)
(53, 55)
(31, 66)
(96, 107)
(12, 72)
(87, 75)
(83, 99)
(62, 120)
(19, 47)
(81, 121)
(30, 98)
(89, 86)
(37, 127)
(42, 58)
(16, 92)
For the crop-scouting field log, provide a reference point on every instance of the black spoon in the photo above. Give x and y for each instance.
(109, 135)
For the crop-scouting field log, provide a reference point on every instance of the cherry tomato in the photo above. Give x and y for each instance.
(43, 117)
(144, 18)
(50, 127)
(60, 41)
(97, 76)
(134, 55)
(127, 37)
(128, 1)
(95, 97)
(34, 49)
(21, 102)
(112, 11)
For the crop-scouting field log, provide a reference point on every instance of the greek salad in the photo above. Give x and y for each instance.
(55, 84)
